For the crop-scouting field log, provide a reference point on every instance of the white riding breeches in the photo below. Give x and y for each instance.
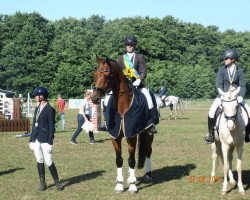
(217, 102)
(43, 152)
(148, 97)
(214, 106)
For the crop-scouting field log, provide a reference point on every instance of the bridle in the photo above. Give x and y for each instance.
(103, 91)
(234, 116)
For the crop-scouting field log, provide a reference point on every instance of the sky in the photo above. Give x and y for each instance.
(226, 14)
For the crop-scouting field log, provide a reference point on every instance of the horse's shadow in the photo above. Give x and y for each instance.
(80, 178)
(166, 174)
(172, 118)
(10, 171)
(102, 140)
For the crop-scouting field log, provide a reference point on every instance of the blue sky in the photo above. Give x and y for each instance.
(226, 14)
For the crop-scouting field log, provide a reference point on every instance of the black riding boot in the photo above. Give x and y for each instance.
(247, 139)
(91, 137)
(152, 116)
(209, 138)
(41, 173)
(53, 171)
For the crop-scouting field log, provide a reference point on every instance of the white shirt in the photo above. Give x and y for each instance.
(84, 107)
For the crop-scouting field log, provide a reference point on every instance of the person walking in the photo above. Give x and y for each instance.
(42, 136)
(83, 115)
(61, 110)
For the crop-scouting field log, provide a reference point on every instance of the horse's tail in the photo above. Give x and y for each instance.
(142, 151)
(181, 105)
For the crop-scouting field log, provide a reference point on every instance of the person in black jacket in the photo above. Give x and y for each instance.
(42, 137)
(230, 74)
(136, 62)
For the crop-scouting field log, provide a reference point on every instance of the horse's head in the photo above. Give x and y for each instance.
(230, 107)
(103, 79)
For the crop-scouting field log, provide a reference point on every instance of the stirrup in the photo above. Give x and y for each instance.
(209, 139)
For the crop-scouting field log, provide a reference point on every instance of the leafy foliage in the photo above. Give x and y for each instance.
(60, 55)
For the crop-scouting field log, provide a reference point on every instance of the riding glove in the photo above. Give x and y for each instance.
(137, 82)
(49, 148)
(240, 99)
(31, 145)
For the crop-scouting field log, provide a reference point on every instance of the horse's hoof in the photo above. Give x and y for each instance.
(132, 189)
(232, 183)
(243, 193)
(119, 188)
(223, 193)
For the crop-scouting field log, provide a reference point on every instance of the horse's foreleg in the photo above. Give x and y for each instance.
(119, 162)
(176, 114)
(239, 169)
(230, 172)
(148, 167)
(131, 162)
(225, 149)
(214, 157)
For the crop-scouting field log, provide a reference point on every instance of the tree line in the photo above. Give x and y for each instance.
(60, 55)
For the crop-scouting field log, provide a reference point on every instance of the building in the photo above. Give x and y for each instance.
(6, 104)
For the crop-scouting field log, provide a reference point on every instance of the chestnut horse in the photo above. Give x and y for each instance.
(108, 77)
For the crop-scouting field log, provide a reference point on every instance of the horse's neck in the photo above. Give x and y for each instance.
(122, 95)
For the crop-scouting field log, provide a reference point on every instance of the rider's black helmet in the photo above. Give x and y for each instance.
(231, 53)
(41, 91)
(130, 40)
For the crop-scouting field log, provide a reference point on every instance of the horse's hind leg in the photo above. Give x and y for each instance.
(239, 169)
(148, 168)
(131, 162)
(214, 157)
(119, 162)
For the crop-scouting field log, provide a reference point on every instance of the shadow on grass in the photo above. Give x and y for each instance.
(102, 140)
(10, 171)
(166, 174)
(179, 118)
(80, 178)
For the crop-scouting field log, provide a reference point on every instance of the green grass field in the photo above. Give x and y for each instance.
(181, 164)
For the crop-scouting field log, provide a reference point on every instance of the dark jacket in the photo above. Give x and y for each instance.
(45, 130)
(139, 65)
(223, 81)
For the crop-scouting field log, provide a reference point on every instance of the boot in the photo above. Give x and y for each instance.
(209, 138)
(53, 171)
(91, 137)
(41, 173)
(247, 139)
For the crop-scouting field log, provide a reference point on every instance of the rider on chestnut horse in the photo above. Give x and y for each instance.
(134, 67)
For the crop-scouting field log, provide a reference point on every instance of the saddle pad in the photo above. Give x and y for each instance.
(136, 119)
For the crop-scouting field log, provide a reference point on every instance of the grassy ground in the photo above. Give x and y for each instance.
(181, 164)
